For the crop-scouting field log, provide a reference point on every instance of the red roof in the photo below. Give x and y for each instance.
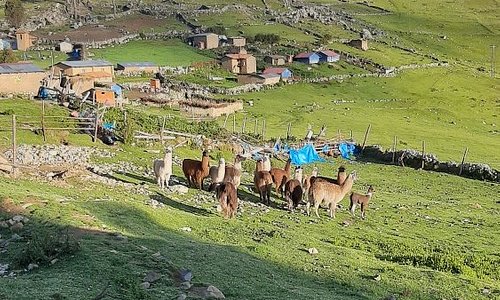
(329, 53)
(273, 70)
(304, 55)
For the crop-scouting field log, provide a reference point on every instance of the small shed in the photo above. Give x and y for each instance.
(237, 41)
(275, 60)
(360, 44)
(284, 73)
(204, 41)
(265, 79)
(65, 47)
(307, 58)
(328, 56)
(24, 40)
(20, 78)
(137, 67)
(102, 96)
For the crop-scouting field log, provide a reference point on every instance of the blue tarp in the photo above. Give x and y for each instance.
(117, 89)
(347, 150)
(305, 155)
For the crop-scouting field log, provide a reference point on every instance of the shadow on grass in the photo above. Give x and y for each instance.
(245, 195)
(180, 206)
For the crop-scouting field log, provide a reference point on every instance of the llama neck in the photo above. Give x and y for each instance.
(347, 185)
(167, 156)
(287, 166)
(205, 162)
(237, 165)
(369, 195)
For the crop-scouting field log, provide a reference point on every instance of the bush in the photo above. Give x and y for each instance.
(267, 38)
(45, 244)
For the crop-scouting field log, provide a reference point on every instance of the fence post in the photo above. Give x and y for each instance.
(366, 137)
(225, 121)
(255, 126)
(423, 154)
(14, 145)
(162, 129)
(96, 125)
(234, 123)
(394, 149)
(244, 125)
(350, 134)
(263, 128)
(463, 161)
(43, 121)
(288, 130)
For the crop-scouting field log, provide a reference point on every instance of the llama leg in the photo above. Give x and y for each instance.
(333, 208)
(158, 181)
(353, 208)
(316, 207)
(363, 207)
(167, 180)
(308, 208)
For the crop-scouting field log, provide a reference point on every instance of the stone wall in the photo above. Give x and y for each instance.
(413, 159)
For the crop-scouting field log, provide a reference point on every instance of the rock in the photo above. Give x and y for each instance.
(54, 261)
(17, 218)
(145, 285)
(3, 269)
(486, 291)
(346, 223)
(186, 229)
(32, 266)
(182, 297)
(4, 224)
(17, 227)
(214, 293)
(312, 251)
(151, 277)
(185, 275)
(186, 285)
(179, 189)
(391, 297)
(377, 277)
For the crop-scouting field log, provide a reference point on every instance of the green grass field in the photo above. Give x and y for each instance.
(164, 53)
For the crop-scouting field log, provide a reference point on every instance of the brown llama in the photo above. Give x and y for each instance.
(196, 171)
(293, 193)
(233, 173)
(362, 200)
(280, 177)
(228, 199)
(329, 193)
(263, 183)
(307, 180)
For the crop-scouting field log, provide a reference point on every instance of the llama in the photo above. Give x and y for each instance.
(267, 163)
(299, 174)
(228, 198)
(307, 180)
(163, 168)
(196, 171)
(263, 182)
(341, 177)
(280, 177)
(217, 174)
(362, 200)
(329, 193)
(293, 193)
(233, 173)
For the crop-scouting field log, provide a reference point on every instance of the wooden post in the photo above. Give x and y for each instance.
(162, 129)
(255, 126)
(244, 125)
(225, 121)
(263, 128)
(124, 118)
(43, 121)
(234, 123)
(423, 154)
(96, 125)
(394, 149)
(14, 145)
(350, 135)
(366, 137)
(288, 130)
(463, 161)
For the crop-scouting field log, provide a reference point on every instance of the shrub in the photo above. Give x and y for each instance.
(267, 38)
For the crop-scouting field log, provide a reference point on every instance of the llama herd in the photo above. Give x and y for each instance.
(226, 179)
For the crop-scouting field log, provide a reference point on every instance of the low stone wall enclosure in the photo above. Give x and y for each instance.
(413, 159)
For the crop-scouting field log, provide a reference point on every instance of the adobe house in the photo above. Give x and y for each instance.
(265, 79)
(275, 60)
(20, 78)
(137, 67)
(237, 41)
(204, 41)
(359, 43)
(77, 67)
(86, 81)
(24, 40)
(284, 73)
(328, 56)
(307, 58)
(239, 63)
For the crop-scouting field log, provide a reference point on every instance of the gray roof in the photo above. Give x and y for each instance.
(270, 75)
(19, 68)
(86, 63)
(202, 34)
(137, 64)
